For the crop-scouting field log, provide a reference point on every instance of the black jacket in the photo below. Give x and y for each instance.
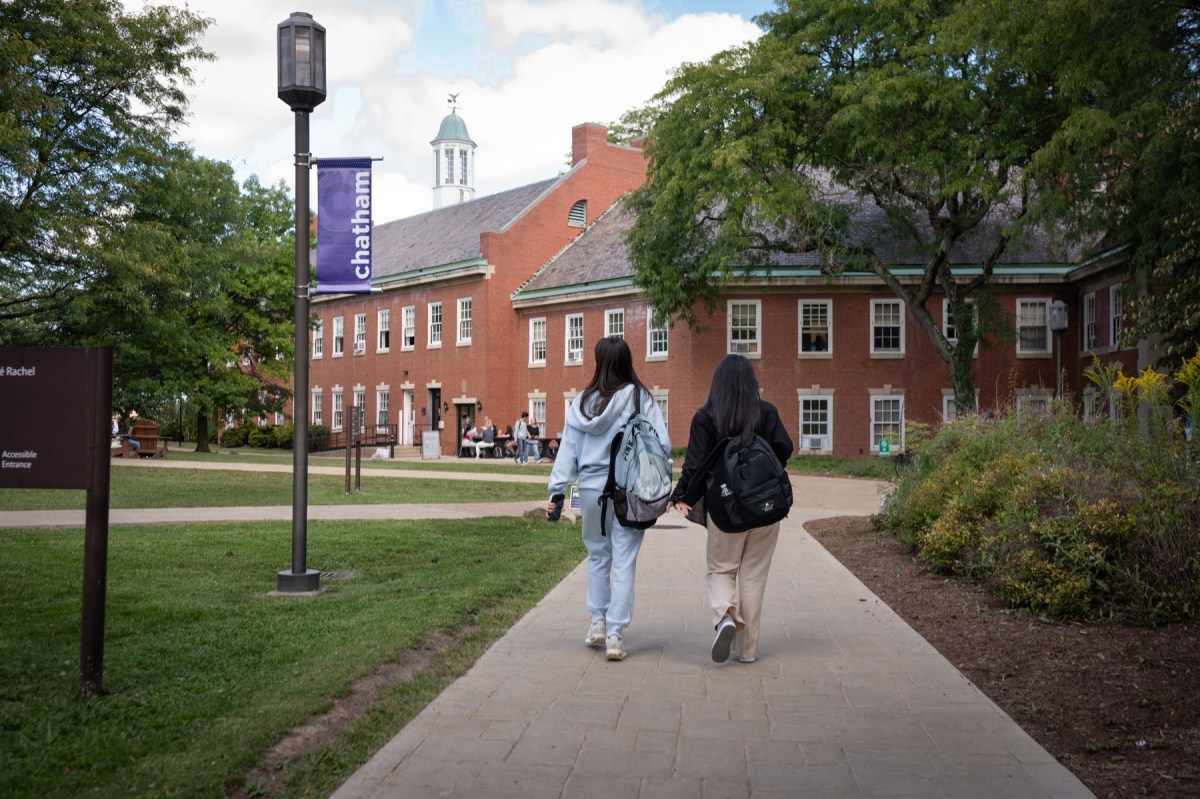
(703, 437)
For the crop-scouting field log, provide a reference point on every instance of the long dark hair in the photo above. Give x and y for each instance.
(614, 371)
(733, 397)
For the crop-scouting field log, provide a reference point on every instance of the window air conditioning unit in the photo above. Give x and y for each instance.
(814, 442)
(359, 349)
(741, 346)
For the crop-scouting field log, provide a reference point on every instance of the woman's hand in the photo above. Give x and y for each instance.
(682, 507)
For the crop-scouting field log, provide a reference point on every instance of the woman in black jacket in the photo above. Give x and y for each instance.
(738, 562)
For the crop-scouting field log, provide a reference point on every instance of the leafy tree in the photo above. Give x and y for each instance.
(89, 93)
(1164, 230)
(193, 291)
(945, 123)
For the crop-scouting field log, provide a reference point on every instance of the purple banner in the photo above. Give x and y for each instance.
(343, 226)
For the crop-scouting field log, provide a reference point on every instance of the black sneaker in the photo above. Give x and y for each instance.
(724, 640)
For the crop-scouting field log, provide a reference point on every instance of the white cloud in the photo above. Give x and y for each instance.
(526, 72)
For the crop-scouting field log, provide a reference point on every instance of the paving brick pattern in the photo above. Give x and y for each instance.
(845, 700)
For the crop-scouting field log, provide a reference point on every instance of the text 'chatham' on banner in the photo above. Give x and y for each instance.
(343, 226)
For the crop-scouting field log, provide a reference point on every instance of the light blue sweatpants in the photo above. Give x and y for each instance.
(612, 565)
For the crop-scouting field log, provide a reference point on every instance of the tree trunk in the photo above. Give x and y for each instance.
(202, 432)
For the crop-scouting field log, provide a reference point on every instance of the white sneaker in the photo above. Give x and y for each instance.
(616, 649)
(595, 634)
(725, 632)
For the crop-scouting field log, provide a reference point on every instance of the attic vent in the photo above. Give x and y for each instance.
(578, 215)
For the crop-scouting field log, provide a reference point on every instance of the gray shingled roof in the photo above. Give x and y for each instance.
(448, 235)
(600, 253)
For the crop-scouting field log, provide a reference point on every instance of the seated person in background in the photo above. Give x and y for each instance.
(468, 441)
(134, 444)
(487, 438)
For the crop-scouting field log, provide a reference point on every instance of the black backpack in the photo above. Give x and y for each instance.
(756, 491)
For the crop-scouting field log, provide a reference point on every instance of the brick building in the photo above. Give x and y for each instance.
(491, 306)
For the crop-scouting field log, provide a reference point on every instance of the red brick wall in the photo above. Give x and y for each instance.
(486, 371)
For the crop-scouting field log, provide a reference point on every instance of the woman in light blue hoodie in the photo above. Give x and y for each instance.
(594, 418)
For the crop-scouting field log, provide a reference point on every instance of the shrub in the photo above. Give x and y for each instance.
(260, 437)
(283, 436)
(1061, 515)
(318, 436)
(235, 436)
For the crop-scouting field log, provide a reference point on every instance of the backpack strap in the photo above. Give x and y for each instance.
(610, 485)
(710, 460)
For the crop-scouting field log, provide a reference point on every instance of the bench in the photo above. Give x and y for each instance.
(146, 433)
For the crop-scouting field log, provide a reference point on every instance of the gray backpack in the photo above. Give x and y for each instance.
(639, 473)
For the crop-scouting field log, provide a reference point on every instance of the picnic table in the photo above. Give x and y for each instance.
(145, 432)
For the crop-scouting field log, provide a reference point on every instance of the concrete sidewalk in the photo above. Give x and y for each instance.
(846, 700)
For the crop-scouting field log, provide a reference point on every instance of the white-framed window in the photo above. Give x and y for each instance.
(318, 406)
(816, 423)
(574, 338)
(279, 418)
(449, 164)
(383, 323)
(1116, 313)
(887, 327)
(339, 336)
(338, 410)
(537, 412)
(950, 407)
(360, 402)
(1089, 404)
(568, 398)
(656, 336)
(360, 333)
(318, 345)
(887, 421)
(950, 330)
(744, 328)
(464, 320)
(614, 322)
(660, 399)
(1033, 327)
(1089, 321)
(408, 325)
(464, 155)
(537, 341)
(816, 328)
(435, 324)
(383, 403)
(1032, 400)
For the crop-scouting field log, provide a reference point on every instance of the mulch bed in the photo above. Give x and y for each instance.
(1117, 705)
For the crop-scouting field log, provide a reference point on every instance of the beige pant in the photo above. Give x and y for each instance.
(737, 579)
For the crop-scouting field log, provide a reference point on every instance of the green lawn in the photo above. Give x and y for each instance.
(135, 487)
(204, 670)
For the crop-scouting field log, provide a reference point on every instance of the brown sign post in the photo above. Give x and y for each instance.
(55, 407)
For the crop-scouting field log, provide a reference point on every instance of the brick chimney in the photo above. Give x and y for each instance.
(586, 139)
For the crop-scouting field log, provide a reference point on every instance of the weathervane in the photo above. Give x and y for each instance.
(454, 101)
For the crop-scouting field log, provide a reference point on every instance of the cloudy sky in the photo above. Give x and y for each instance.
(525, 71)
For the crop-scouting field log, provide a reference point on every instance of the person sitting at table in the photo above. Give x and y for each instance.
(134, 445)
(487, 437)
(468, 440)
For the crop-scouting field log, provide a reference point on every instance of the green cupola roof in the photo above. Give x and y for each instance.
(453, 129)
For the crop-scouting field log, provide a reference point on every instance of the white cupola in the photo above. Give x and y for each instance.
(453, 160)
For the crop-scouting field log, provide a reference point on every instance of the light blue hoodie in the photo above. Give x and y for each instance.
(583, 452)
